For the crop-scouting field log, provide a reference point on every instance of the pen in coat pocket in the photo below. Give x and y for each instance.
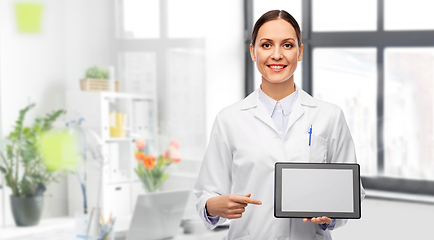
(310, 133)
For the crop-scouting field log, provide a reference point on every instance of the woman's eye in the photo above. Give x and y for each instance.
(266, 45)
(287, 45)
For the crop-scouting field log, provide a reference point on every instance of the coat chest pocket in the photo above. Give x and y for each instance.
(316, 152)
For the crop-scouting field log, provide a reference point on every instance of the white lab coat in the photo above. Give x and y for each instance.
(243, 148)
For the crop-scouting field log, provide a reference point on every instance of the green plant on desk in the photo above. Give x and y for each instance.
(97, 73)
(23, 168)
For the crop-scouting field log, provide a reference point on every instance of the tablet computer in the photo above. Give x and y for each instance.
(305, 190)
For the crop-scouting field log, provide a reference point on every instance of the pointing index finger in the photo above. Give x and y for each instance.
(244, 199)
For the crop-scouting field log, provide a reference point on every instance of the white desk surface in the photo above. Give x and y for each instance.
(63, 228)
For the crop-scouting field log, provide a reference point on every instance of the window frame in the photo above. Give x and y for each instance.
(159, 46)
(379, 39)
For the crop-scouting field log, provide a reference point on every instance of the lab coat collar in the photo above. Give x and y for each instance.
(252, 101)
(305, 99)
(270, 104)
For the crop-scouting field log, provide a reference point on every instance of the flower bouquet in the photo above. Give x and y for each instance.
(151, 170)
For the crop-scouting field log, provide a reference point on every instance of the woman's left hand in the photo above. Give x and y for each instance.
(318, 220)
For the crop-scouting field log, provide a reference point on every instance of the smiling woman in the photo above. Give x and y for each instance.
(273, 124)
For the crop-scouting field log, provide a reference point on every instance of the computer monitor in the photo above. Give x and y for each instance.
(158, 215)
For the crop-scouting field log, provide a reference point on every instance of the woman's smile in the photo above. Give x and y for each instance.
(277, 67)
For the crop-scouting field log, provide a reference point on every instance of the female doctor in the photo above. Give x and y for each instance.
(236, 180)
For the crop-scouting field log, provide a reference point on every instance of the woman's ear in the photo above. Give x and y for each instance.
(252, 53)
(300, 53)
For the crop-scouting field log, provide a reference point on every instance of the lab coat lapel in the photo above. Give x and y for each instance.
(296, 113)
(262, 114)
(252, 102)
(303, 99)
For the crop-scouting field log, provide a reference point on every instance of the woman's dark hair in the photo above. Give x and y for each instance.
(274, 15)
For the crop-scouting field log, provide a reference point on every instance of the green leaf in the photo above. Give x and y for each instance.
(51, 117)
(95, 72)
(104, 74)
(9, 152)
(19, 126)
(22, 150)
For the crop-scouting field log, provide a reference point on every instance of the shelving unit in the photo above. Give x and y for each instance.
(120, 185)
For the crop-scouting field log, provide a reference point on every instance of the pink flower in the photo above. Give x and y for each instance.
(175, 156)
(174, 144)
(140, 144)
(166, 154)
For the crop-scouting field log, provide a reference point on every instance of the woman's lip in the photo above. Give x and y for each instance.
(280, 68)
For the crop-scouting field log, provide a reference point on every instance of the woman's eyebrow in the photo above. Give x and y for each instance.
(271, 40)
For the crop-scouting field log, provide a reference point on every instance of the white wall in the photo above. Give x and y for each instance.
(41, 67)
(88, 27)
(33, 65)
(388, 219)
(2, 215)
(33, 70)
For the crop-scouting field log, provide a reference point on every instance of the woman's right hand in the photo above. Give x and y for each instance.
(229, 206)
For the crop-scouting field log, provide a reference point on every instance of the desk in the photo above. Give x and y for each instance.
(64, 229)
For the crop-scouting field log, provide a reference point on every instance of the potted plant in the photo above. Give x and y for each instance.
(23, 168)
(98, 79)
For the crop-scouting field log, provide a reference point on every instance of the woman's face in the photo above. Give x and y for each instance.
(276, 51)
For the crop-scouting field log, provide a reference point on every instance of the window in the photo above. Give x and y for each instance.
(140, 19)
(174, 49)
(188, 23)
(359, 15)
(404, 15)
(409, 113)
(161, 54)
(379, 55)
(351, 70)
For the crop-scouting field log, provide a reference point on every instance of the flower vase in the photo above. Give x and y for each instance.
(151, 189)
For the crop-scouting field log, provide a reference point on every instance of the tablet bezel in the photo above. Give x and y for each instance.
(279, 166)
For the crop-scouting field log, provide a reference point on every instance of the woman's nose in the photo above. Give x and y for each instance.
(277, 54)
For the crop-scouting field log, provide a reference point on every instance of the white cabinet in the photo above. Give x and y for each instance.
(117, 198)
(119, 186)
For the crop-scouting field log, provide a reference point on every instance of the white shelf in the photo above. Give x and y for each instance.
(118, 139)
(114, 95)
(117, 190)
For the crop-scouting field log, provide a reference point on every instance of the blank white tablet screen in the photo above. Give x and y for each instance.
(317, 190)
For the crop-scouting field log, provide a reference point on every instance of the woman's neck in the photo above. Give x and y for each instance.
(278, 91)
